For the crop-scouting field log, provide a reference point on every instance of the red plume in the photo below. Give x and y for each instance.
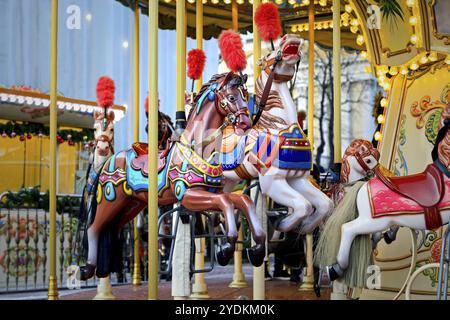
(267, 19)
(196, 63)
(105, 92)
(231, 48)
(146, 105)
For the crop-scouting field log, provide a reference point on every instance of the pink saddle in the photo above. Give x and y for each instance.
(424, 192)
(141, 160)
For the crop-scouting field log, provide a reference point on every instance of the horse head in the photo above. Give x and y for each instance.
(104, 136)
(441, 151)
(287, 54)
(360, 158)
(230, 97)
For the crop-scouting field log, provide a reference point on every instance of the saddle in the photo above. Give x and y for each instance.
(141, 160)
(426, 189)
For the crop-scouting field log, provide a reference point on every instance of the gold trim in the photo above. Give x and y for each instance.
(184, 151)
(440, 36)
(390, 53)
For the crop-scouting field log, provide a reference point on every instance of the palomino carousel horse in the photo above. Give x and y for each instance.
(420, 201)
(184, 175)
(276, 150)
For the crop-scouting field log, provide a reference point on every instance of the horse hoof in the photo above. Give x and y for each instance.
(256, 255)
(317, 289)
(87, 272)
(224, 254)
(387, 238)
(334, 272)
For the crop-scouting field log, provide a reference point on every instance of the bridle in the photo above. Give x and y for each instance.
(272, 77)
(359, 156)
(222, 105)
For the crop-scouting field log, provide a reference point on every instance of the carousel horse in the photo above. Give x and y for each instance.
(420, 201)
(103, 147)
(187, 173)
(276, 150)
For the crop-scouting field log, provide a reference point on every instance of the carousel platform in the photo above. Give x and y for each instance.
(218, 288)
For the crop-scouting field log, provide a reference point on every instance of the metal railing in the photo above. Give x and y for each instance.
(24, 248)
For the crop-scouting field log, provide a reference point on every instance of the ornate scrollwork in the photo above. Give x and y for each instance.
(428, 113)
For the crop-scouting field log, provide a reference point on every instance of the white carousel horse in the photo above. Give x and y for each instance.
(276, 150)
(420, 201)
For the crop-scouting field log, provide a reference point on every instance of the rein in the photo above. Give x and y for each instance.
(267, 87)
(272, 77)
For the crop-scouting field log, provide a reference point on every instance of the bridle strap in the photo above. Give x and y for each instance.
(264, 96)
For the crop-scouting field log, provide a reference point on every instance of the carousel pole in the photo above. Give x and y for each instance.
(137, 261)
(337, 79)
(238, 276)
(199, 288)
(180, 66)
(181, 285)
(258, 272)
(153, 151)
(308, 278)
(53, 282)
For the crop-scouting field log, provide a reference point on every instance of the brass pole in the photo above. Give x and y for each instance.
(235, 15)
(199, 288)
(181, 63)
(258, 273)
(337, 79)
(137, 281)
(53, 282)
(308, 278)
(311, 74)
(199, 33)
(153, 151)
(238, 276)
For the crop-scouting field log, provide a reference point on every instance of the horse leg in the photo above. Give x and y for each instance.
(201, 200)
(322, 204)
(281, 192)
(106, 212)
(256, 253)
(390, 235)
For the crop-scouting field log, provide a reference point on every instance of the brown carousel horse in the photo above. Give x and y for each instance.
(184, 176)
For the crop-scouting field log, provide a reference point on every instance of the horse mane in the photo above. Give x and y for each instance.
(353, 148)
(441, 148)
(274, 101)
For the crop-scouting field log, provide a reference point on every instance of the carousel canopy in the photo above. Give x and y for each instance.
(17, 104)
(217, 17)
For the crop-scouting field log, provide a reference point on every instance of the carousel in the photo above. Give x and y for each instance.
(235, 178)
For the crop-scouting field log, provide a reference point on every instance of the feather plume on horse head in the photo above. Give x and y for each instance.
(196, 63)
(267, 19)
(231, 49)
(105, 92)
(105, 99)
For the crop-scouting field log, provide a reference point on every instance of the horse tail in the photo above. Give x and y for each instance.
(329, 242)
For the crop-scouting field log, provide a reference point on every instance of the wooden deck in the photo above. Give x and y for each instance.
(218, 288)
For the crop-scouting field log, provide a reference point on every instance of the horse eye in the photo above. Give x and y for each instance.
(231, 98)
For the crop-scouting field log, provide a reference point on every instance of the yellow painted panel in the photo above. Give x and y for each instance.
(27, 164)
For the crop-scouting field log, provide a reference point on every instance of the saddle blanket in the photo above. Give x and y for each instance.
(384, 201)
(290, 149)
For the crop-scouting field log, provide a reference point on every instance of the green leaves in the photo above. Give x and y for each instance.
(391, 10)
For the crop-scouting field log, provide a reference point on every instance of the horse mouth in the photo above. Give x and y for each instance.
(103, 152)
(290, 50)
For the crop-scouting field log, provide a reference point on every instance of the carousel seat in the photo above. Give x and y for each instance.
(141, 160)
(425, 188)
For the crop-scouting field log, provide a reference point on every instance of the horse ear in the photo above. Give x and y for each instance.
(96, 114)
(227, 79)
(110, 116)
